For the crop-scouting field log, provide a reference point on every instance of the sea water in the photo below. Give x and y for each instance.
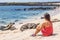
(10, 14)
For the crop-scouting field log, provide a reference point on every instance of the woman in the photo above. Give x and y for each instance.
(46, 28)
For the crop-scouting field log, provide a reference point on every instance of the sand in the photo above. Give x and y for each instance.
(26, 35)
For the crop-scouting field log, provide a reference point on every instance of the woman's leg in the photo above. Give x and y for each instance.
(37, 30)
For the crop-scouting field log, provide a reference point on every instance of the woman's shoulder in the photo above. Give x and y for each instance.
(47, 23)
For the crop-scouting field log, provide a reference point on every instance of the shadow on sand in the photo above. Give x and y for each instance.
(50, 35)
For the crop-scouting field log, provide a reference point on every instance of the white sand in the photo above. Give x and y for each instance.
(26, 35)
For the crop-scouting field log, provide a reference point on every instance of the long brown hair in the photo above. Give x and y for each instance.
(47, 16)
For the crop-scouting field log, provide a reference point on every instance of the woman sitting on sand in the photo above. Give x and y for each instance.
(46, 28)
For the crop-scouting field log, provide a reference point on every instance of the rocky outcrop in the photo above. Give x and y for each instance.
(8, 27)
(28, 26)
(39, 8)
(42, 8)
(17, 9)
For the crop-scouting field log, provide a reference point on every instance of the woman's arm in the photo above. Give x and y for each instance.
(38, 28)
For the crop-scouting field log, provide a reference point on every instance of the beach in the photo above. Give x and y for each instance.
(26, 35)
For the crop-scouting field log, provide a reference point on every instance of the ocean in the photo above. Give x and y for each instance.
(10, 14)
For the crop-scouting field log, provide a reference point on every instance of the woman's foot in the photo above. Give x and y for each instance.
(33, 35)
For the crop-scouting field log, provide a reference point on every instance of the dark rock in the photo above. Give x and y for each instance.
(42, 8)
(16, 20)
(24, 9)
(23, 27)
(12, 28)
(28, 26)
(30, 8)
(42, 17)
(17, 9)
(8, 27)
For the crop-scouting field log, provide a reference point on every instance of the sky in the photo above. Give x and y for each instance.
(28, 0)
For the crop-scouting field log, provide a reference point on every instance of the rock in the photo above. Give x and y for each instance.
(28, 26)
(17, 9)
(8, 27)
(2, 27)
(24, 9)
(23, 27)
(42, 17)
(12, 28)
(16, 20)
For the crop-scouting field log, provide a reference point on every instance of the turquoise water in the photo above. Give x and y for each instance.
(9, 14)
